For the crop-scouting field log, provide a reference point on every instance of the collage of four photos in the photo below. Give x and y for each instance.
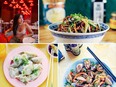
(57, 43)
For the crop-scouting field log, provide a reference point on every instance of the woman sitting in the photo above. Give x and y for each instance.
(19, 29)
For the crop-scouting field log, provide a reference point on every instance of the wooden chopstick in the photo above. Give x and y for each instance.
(49, 74)
(102, 64)
(51, 70)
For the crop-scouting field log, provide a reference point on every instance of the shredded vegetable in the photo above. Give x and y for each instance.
(76, 23)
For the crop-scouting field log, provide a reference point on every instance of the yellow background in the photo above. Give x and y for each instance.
(5, 48)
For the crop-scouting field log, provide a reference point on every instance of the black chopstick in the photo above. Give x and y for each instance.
(100, 62)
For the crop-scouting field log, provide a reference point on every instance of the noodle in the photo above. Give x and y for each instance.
(76, 23)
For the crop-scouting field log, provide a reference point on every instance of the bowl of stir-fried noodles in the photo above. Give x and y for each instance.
(78, 29)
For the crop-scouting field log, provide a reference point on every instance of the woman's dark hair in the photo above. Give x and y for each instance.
(15, 24)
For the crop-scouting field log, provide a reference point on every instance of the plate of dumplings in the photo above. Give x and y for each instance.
(26, 66)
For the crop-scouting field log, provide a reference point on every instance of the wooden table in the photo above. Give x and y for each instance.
(106, 53)
(110, 36)
(46, 36)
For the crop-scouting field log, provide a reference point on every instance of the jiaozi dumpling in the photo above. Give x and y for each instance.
(13, 72)
(34, 75)
(27, 69)
(30, 56)
(24, 56)
(23, 79)
(16, 61)
(36, 60)
(37, 66)
(21, 68)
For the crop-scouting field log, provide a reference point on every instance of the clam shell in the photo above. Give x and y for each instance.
(79, 67)
(108, 81)
(87, 64)
(81, 78)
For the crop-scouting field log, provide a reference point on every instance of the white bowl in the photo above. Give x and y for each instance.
(63, 37)
(28, 40)
(48, 50)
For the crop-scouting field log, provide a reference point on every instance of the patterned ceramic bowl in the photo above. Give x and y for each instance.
(62, 37)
